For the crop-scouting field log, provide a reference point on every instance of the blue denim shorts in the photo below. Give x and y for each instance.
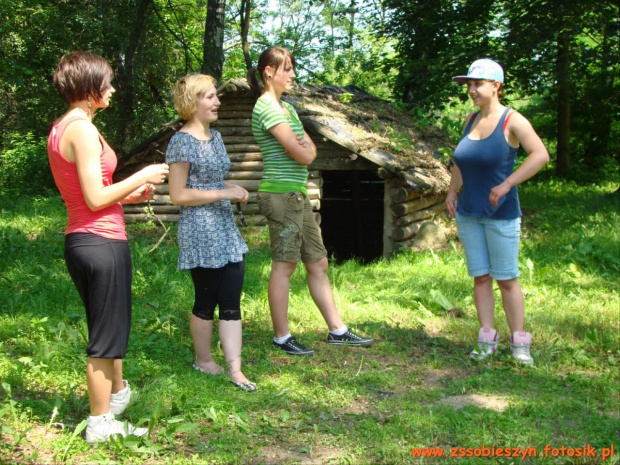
(491, 246)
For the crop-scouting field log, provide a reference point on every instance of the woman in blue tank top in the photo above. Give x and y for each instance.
(487, 212)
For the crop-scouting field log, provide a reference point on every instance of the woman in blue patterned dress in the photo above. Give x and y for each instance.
(210, 244)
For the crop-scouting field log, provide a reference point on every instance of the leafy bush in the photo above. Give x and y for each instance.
(23, 164)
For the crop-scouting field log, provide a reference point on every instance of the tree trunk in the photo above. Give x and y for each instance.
(351, 28)
(124, 77)
(563, 75)
(213, 47)
(244, 20)
(602, 119)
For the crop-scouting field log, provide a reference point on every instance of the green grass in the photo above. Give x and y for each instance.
(414, 388)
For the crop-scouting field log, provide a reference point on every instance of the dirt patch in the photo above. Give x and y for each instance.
(283, 454)
(434, 378)
(31, 444)
(496, 403)
(359, 406)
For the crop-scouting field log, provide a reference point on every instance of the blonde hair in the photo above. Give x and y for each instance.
(188, 90)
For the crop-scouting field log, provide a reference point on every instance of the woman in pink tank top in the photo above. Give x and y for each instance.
(96, 249)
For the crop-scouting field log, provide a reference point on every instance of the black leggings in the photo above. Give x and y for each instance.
(218, 287)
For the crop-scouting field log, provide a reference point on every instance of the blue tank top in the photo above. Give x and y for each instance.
(485, 164)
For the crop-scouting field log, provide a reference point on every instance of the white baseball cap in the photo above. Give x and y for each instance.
(482, 69)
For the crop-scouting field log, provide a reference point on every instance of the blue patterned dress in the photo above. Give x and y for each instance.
(208, 236)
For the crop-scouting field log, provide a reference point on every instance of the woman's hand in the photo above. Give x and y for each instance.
(141, 194)
(450, 202)
(236, 193)
(302, 142)
(301, 149)
(498, 192)
(155, 174)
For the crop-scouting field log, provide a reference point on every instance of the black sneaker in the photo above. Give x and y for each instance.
(292, 347)
(349, 338)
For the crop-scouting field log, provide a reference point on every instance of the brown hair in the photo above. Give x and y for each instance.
(82, 76)
(274, 57)
(188, 90)
(500, 89)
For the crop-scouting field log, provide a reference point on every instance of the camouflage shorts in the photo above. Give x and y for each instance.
(293, 230)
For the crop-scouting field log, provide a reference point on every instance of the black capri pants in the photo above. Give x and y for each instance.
(218, 287)
(101, 271)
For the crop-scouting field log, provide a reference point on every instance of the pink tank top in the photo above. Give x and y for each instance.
(108, 222)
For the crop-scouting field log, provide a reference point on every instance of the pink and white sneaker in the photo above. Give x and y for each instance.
(520, 343)
(488, 339)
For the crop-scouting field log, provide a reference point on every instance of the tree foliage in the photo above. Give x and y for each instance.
(563, 55)
(560, 56)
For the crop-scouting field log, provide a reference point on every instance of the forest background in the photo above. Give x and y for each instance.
(561, 59)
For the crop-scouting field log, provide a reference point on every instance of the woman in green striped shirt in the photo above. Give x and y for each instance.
(294, 233)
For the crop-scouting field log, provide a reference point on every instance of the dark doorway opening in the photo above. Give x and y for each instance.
(352, 215)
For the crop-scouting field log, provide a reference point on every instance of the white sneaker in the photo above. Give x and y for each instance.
(520, 343)
(488, 339)
(120, 400)
(100, 428)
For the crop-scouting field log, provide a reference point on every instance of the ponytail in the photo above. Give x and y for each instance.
(274, 57)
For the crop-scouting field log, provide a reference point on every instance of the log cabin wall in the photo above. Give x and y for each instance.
(366, 210)
(406, 209)
(246, 165)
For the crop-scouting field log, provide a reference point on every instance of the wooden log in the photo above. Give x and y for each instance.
(402, 194)
(402, 245)
(141, 208)
(331, 150)
(341, 164)
(421, 214)
(162, 189)
(388, 219)
(241, 107)
(400, 233)
(246, 166)
(241, 111)
(142, 218)
(244, 175)
(236, 140)
(384, 174)
(234, 131)
(163, 199)
(402, 209)
(250, 185)
(314, 193)
(240, 122)
(242, 148)
(245, 156)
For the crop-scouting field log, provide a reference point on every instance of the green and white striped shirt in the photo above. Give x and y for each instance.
(281, 173)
